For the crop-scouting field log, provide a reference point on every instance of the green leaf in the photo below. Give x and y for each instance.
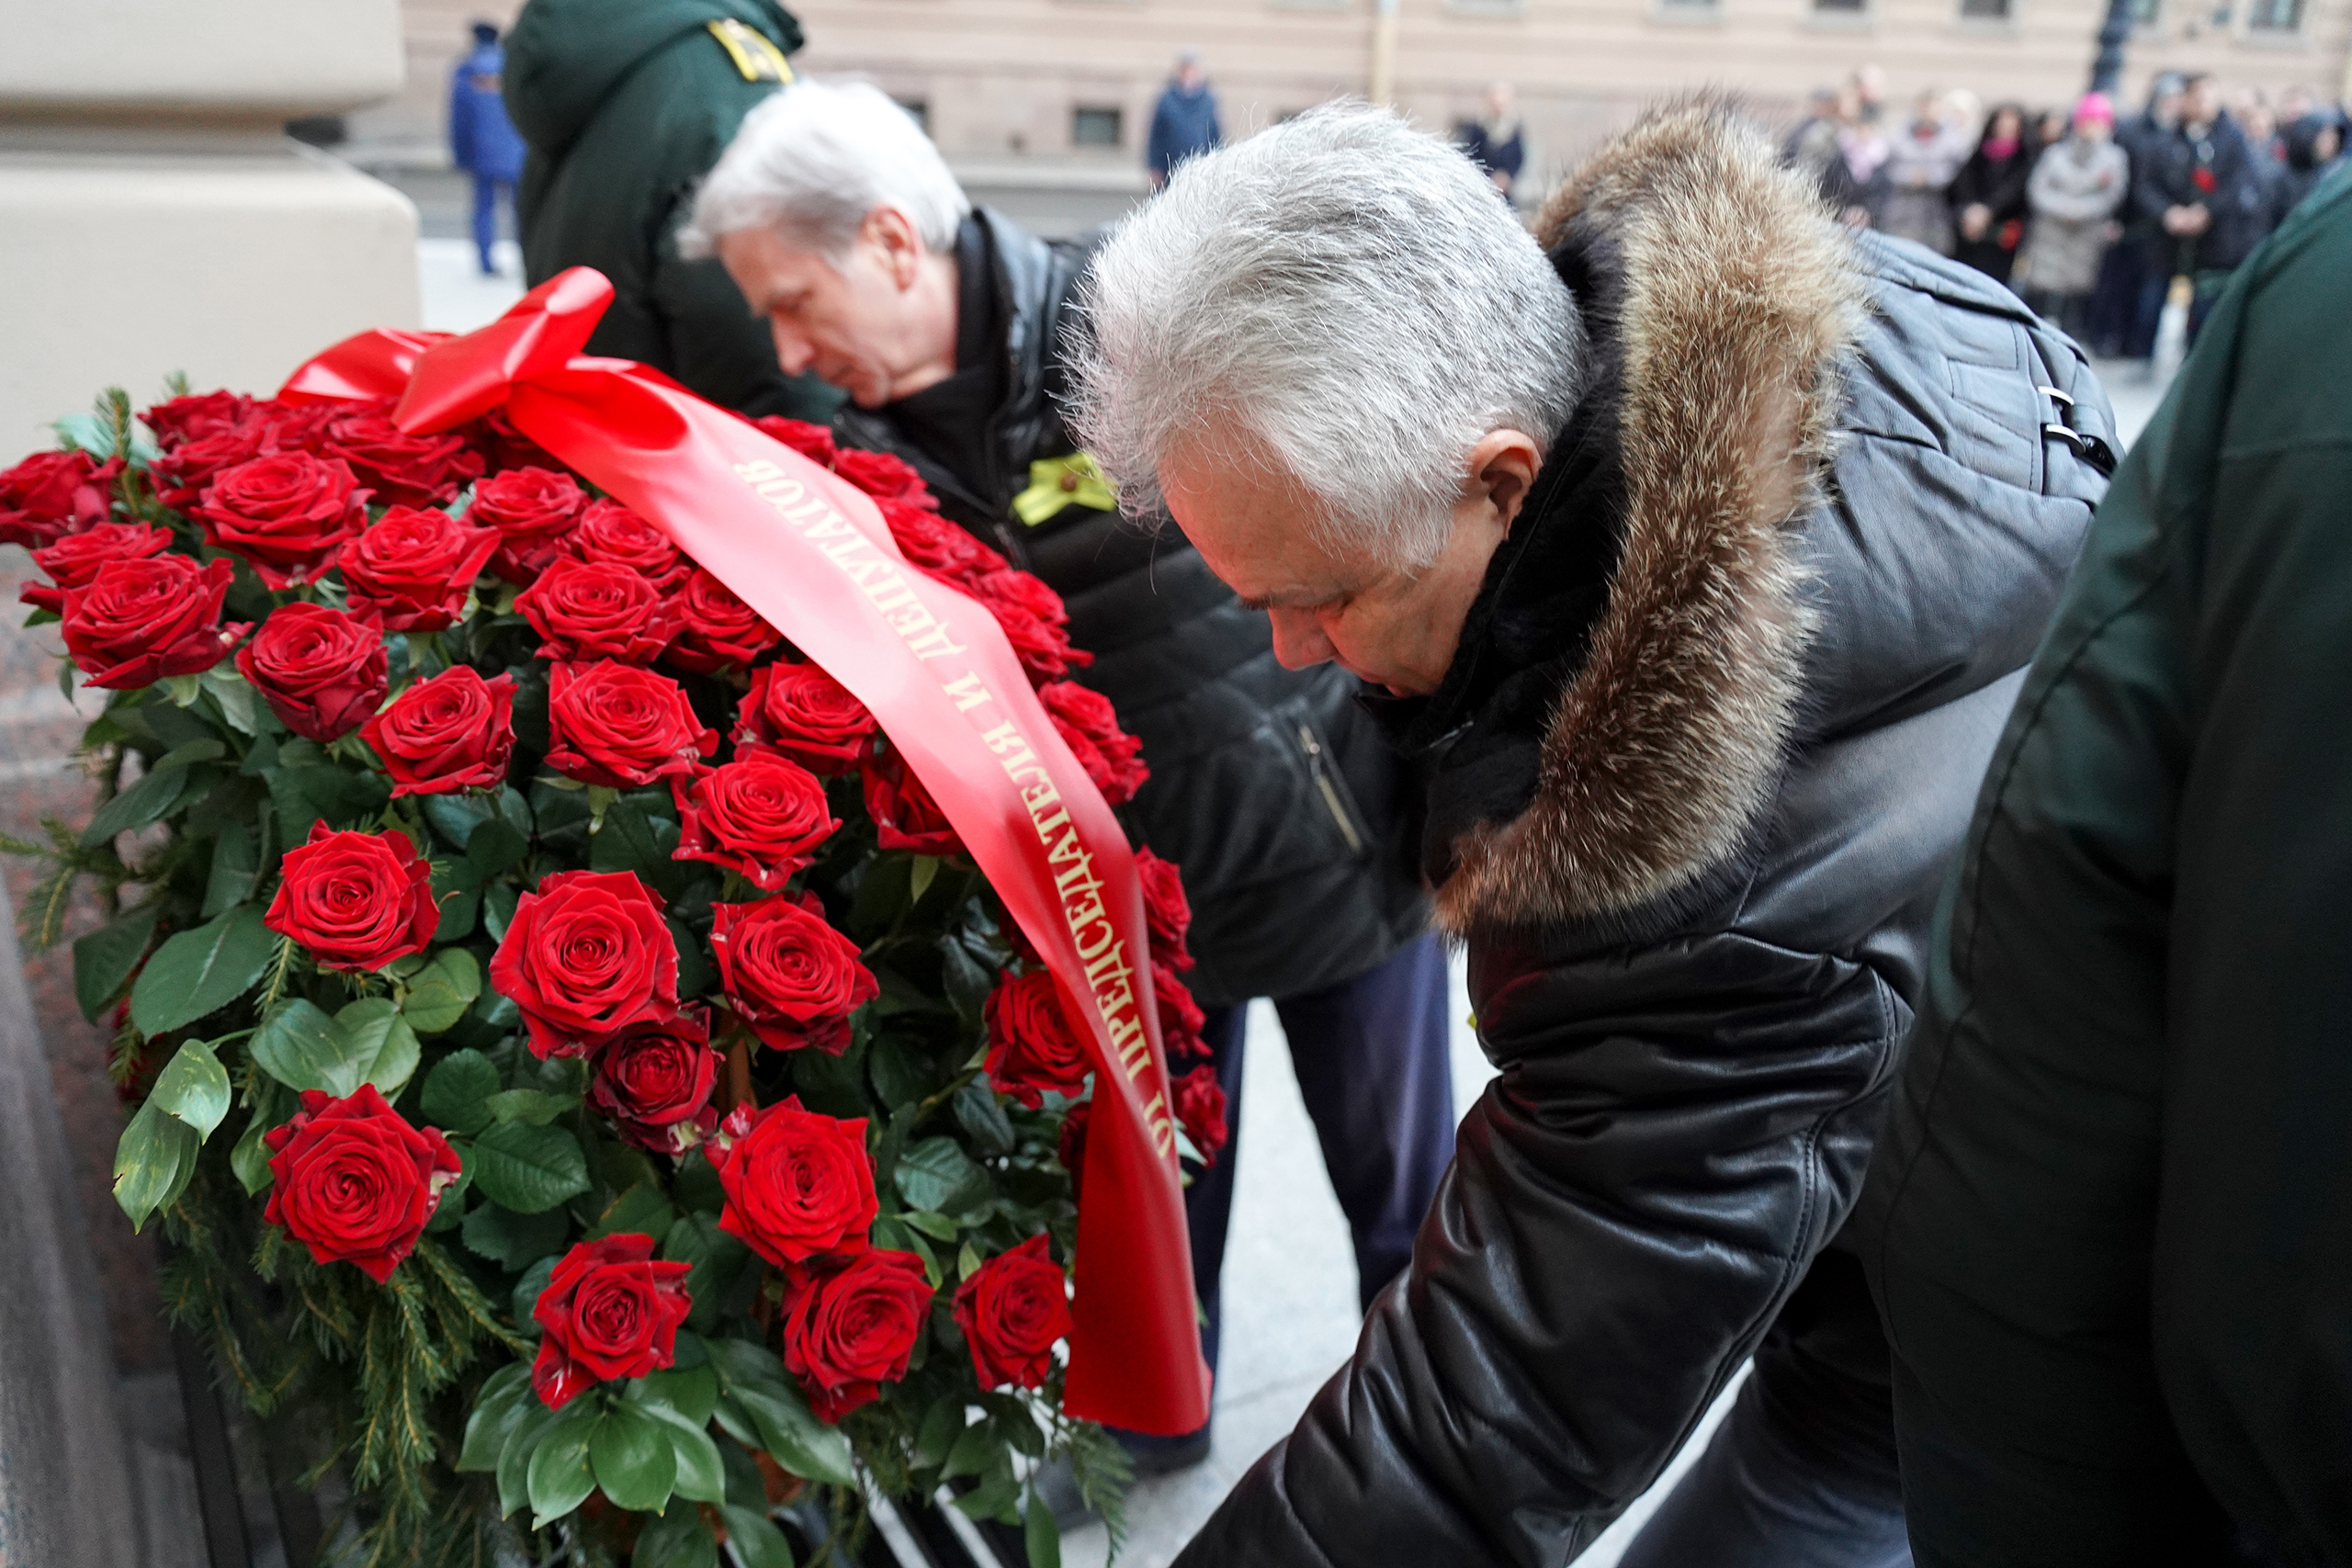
(104, 960)
(536, 1106)
(530, 1170)
(301, 1047)
(975, 1446)
(457, 1093)
(967, 1261)
(194, 1088)
(980, 1113)
(560, 1475)
(199, 972)
(995, 1496)
(506, 1397)
(935, 1173)
(527, 1291)
(236, 696)
(235, 866)
(629, 841)
(902, 1070)
(136, 807)
(378, 1047)
(440, 993)
(633, 1460)
(152, 1163)
(1041, 1534)
(690, 1391)
(677, 1539)
(514, 1458)
(640, 1210)
(273, 1103)
(939, 1227)
(719, 1261)
(793, 1435)
(919, 876)
(457, 817)
(757, 1542)
(511, 1240)
(498, 901)
(495, 847)
(694, 972)
(699, 1474)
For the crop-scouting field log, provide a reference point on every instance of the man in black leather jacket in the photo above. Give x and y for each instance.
(1269, 788)
(1717, 545)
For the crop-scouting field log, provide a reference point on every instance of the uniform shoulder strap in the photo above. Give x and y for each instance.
(753, 52)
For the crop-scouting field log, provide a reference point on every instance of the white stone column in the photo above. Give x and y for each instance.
(154, 215)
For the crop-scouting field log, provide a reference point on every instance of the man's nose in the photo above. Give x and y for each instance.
(793, 351)
(1299, 642)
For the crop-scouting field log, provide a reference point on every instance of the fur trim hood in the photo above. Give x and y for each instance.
(1736, 306)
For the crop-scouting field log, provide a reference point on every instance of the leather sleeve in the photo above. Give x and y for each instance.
(1677, 1130)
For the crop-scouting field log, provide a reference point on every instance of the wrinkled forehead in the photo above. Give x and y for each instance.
(1260, 529)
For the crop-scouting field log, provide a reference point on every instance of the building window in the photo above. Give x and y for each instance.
(1095, 127)
(917, 110)
(1484, 8)
(2146, 12)
(1984, 10)
(1839, 7)
(1687, 10)
(2274, 16)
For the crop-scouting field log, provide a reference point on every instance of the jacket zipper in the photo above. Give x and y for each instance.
(1315, 764)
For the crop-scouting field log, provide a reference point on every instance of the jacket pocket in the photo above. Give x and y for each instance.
(1330, 785)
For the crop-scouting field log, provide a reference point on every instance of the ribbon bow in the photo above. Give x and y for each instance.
(1056, 482)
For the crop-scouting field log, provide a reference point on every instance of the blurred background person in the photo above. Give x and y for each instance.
(1862, 146)
(1988, 199)
(1497, 141)
(625, 105)
(2314, 145)
(482, 140)
(1184, 122)
(2130, 293)
(1925, 155)
(2211, 205)
(2076, 188)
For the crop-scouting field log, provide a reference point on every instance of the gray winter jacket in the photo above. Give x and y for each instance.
(2077, 189)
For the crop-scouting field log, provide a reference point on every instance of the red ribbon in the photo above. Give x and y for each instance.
(810, 553)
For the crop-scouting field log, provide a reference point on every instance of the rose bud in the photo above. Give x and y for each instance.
(401, 468)
(1167, 913)
(620, 726)
(453, 732)
(50, 494)
(323, 672)
(654, 1083)
(716, 630)
(611, 1313)
(597, 610)
(1180, 1015)
(1012, 1311)
(759, 815)
(355, 900)
(1090, 727)
(789, 974)
(1070, 1142)
(353, 1182)
(502, 447)
(143, 621)
(880, 474)
(1031, 1046)
(74, 560)
(797, 1183)
(178, 421)
(611, 534)
(182, 474)
(586, 957)
(808, 715)
(414, 567)
(936, 545)
(905, 815)
(1032, 618)
(849, 1326)
(1200, 1106)
(813, 442)
(288, 513)
(533, 510)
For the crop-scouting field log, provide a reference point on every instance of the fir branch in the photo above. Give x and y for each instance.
(1102, 1472)
(465, 1297)
(278, 971)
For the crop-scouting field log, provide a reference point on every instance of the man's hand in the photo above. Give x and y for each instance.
(2186, 221)
(1974, 219)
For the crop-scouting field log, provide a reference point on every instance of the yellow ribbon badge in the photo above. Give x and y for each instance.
(1056, 482)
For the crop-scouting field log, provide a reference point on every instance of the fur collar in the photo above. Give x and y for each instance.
(1735, 302)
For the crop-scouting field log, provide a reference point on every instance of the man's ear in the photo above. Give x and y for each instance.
(894, 239)
(1503, 466)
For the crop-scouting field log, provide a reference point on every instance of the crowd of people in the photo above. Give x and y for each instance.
(2089, 213)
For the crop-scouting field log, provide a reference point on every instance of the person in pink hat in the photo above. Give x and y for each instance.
(2076, 188)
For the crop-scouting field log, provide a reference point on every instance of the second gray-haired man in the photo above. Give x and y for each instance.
(1696, 548)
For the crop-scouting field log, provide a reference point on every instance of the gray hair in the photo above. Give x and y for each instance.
(1355, 294)
(813, 161)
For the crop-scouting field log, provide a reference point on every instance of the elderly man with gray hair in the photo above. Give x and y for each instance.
(1696, 549)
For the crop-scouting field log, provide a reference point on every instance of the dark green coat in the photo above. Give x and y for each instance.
(2116, 1183)
(627, 104)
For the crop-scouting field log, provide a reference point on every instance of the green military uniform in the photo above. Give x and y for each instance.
(2117, 1182)
(627, 104)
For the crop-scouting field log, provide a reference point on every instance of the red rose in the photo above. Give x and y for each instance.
(1012, 1312)
(611, 533)
(355, 900)
(74, 560)
(1070, 1145)
(502, 447)
(50, 494)
(403, 469)
(587, 957)
(453, 732)
(654, 1083)
(797, 1183)
(1031, 1046)
(533, 510)
(353, 1182)
(618, 726)
(799, 710)
(1180, 1015)
(790, 975)
(323, 672)
(141, 620)
(759, 815)
(610, 1313)
(880, 474)
(905, 815)
(414, 567)
(849, 1326)
(936, 545)
(1167, 913)
(1032, 618)
(813, 442)
(1200, 1106)
(716, 629)
(596, 609)
(288, 513)
(178, 421)
(1088, 724)
(182, 473)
